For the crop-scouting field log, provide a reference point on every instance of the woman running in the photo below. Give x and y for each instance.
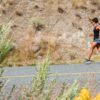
(96, 39)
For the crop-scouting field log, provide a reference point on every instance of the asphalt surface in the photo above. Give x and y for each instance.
(62, 73)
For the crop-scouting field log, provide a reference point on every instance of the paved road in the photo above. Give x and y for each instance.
(62, 73)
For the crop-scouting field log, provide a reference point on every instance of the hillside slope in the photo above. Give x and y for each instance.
(60, 25)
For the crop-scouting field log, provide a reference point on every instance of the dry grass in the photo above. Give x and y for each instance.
(30, 48)
(25, 49)
(78, 3)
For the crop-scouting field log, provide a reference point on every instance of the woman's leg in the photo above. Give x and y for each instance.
(98, 47)
(90, 52)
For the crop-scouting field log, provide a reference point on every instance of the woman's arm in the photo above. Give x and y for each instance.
(98, 27)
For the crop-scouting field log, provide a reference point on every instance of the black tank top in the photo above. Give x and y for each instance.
(96, 33)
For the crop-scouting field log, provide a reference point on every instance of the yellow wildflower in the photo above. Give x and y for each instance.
(85, 93)
(78, 98)
(98, 97)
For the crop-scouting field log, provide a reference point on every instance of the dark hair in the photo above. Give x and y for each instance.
(95, 20)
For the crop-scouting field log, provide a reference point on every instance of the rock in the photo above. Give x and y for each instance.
(11, 2)
(38, 38)
(19, 12)
(61, 10)
(36, 7)
(36, 48)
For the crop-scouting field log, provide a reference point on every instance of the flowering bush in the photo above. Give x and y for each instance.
(84, 94)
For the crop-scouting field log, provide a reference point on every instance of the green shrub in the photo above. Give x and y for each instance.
(5, 42)
(73, 91)
(47, 94)
(40, 79)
